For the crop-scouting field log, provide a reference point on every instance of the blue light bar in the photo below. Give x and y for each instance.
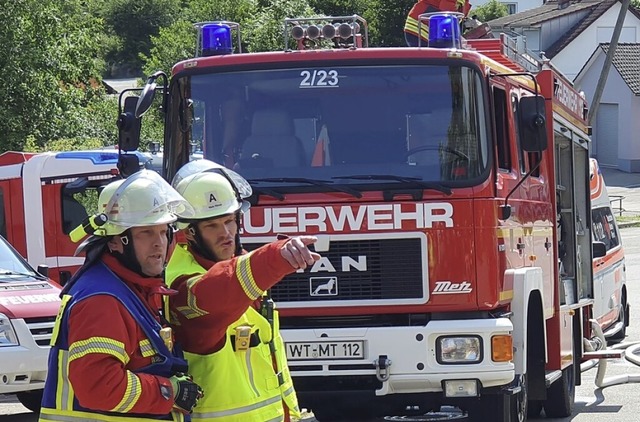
(216, 39)
(444, 31)
(96, 157)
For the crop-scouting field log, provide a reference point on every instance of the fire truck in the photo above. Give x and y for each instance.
(448, 186)
(44, 196)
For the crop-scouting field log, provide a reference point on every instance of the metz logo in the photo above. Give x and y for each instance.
(449, 288)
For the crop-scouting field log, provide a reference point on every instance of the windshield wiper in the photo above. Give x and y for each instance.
(403, 179)
(10, 272)
(314, 182)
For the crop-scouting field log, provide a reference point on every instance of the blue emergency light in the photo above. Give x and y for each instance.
(444, 31)
(216, 39)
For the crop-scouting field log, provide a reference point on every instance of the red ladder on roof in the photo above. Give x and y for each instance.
(498, 50)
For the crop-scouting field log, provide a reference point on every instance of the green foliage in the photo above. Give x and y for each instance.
(267, 31)
(132, 23)
(178, 41)
(489, 11)
(386, 21)
(48, 75)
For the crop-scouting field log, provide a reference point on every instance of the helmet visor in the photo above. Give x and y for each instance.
(145, 198)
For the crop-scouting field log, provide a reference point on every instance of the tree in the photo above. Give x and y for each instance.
(386, 21)
(490, 11)
(132, 23)
(48, 72)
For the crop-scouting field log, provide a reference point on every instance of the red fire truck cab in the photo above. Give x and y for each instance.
(436, 179)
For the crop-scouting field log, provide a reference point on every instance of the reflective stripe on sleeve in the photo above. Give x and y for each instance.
(131, 395)
(245, 277)
(146, 348)
(191, 310)
(411, 26)
(98, 345)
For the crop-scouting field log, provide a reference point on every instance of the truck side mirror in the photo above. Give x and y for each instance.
(599, 249)
(128, 164)
(532, 124)
(129, 125)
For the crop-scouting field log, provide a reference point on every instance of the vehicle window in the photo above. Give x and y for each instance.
(77, 206)
(426, 122)
(10, 261)
(604, 228)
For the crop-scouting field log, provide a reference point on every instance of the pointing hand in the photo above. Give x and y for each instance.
(296, 252)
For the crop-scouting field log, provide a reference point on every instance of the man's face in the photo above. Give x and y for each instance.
(150, 246)
(219, 236)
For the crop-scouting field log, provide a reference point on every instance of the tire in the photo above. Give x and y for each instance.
(31, 399)
(491, 406)
(624, 318)
(561, 395)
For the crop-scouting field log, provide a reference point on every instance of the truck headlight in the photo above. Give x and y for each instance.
(458, 349)
(7, 334)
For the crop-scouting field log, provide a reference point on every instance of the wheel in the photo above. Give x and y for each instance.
(31, 399)
(534, 408)
(520, 402)
(561, 395)
(501, 408)
(624, 318)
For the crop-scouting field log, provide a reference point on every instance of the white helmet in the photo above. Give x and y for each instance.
(142, 199)
(196, 166)
(210, 194)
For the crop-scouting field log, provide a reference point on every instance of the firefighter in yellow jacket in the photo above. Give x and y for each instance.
(227, 327)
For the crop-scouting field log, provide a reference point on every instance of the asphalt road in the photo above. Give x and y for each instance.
(616, 403)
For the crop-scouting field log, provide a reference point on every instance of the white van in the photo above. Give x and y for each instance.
(611, 308)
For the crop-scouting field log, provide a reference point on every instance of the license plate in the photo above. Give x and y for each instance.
(325, 350)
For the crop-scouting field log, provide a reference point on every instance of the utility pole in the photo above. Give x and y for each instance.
(597, 95)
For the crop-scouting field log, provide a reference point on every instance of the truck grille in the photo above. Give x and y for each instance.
(362, 269)
(41, 329)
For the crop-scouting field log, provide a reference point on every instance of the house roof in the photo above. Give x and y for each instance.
(548, 11)
(626, 60)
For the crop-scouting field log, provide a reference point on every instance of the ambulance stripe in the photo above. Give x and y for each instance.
(245, 276)
(98, 345)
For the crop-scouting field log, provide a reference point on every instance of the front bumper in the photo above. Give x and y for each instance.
(414, 367)
(23, 367)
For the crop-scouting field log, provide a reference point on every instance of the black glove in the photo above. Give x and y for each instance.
(186, 393)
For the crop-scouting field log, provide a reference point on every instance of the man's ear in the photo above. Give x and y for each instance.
(115, 244)
(189, 233)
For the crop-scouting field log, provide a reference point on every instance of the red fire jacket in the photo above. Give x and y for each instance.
(226, 301)
(100, 380)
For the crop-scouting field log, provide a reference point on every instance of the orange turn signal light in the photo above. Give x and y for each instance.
(502, 348)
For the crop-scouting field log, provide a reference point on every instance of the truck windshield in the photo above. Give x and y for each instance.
(415, 122)
(12, 266)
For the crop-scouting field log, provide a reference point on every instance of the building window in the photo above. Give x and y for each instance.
(512, 8)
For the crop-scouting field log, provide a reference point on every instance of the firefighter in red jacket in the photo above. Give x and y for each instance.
(229, 330)
(411, 25)
(111, 359)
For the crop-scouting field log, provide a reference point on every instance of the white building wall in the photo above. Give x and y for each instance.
(573, 57)
(616, 92)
